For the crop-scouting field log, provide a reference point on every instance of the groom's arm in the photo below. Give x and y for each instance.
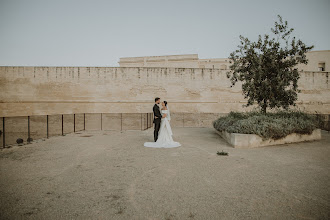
(157, 113)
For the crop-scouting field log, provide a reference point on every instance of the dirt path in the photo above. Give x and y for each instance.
(110, 175)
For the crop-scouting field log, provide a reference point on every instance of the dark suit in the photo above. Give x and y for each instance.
(156, 121)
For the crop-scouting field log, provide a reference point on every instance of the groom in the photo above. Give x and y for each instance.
(157, 118)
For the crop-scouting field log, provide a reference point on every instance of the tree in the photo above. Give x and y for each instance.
(268, 67)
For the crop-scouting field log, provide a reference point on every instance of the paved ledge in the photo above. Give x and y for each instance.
(251, 140)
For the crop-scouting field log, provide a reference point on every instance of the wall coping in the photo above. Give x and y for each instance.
(238, 140)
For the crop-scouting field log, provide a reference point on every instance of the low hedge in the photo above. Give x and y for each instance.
(270, 125)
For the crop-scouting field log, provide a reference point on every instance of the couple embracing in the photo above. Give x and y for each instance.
(162, 128)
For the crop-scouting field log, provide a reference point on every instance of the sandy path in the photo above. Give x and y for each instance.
(110, 175)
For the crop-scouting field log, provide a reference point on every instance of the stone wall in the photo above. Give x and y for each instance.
(67, 90)
(61, 100)
(315, 58)
(176, 61)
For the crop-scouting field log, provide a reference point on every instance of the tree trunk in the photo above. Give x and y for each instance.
(264, 107)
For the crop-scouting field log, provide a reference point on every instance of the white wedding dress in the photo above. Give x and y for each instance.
(165, 139)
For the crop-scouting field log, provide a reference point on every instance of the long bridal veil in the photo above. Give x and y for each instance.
(168, 115)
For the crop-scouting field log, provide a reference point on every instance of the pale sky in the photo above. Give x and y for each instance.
(99, 32)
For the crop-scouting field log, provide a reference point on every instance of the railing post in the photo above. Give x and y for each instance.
(101, 121)
(47, 127)
(121, 121)
(62, 126)
(74, 123)
(29, 140)
(84, 123)
(3, 133)
(328, 123)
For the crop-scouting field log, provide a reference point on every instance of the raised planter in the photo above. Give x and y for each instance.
(252, 140)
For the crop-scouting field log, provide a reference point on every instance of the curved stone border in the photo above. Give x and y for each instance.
(251, 140)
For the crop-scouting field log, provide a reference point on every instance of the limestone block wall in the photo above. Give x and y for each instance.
(79, 122)
(16, 127)
(113, 98)
(68, 126)
(38, 126)
(73, 90)
(112, 121)
(54, 125)
(93, 122)
(177, 61)
(314, 59)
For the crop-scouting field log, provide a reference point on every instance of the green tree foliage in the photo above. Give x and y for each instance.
(268, 67)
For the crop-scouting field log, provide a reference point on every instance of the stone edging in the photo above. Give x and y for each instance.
(252, 141)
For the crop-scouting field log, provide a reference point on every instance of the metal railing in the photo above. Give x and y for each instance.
(41, 126)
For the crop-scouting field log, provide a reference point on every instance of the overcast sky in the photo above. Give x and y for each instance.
(99, 32)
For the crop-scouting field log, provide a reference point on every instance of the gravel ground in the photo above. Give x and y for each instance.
(110, 175)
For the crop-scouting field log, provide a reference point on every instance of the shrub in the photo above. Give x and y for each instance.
(275, 125)
(222, 153)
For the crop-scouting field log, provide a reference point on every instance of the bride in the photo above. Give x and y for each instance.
(165, 139)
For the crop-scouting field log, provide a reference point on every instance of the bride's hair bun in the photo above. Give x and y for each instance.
(165, 103)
